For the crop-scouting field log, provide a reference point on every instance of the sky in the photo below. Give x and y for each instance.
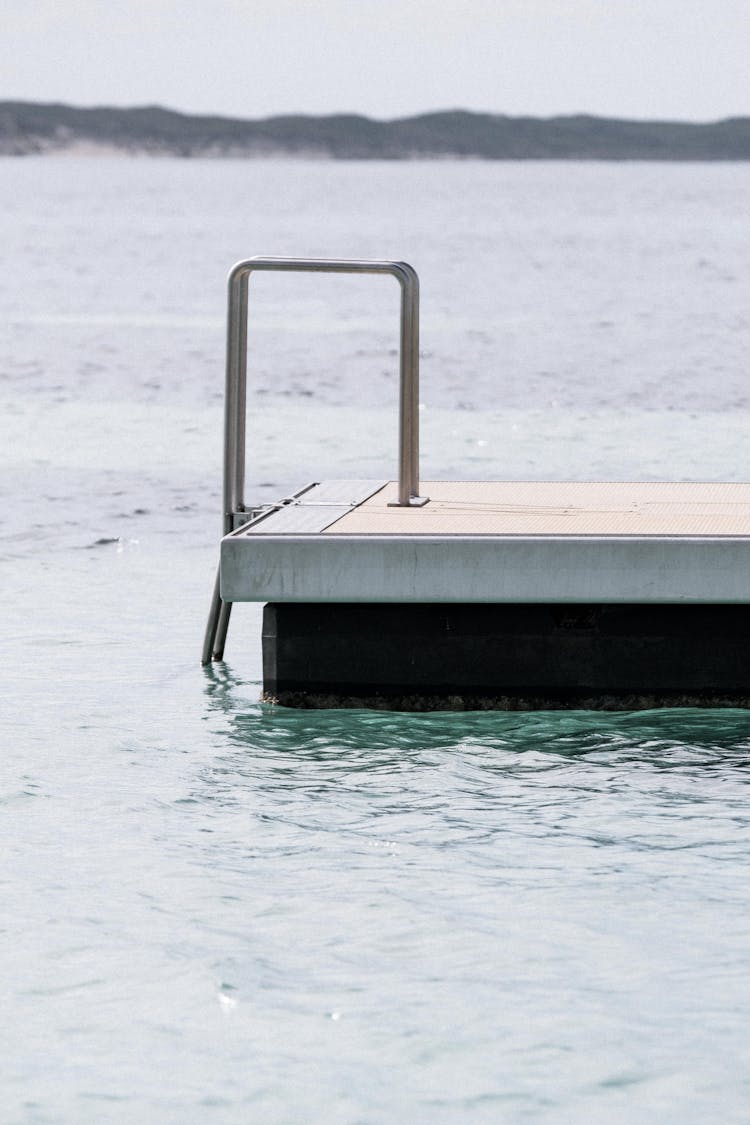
(668, 59)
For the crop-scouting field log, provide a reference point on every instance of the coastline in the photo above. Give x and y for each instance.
(29, 128)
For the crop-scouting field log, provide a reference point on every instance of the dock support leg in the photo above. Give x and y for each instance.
(216, 626)
(221, 631)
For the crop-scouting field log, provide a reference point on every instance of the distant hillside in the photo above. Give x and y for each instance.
(29, 128)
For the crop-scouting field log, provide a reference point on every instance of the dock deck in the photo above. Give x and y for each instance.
(497, 541)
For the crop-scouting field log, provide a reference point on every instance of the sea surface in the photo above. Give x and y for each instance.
(220, 911)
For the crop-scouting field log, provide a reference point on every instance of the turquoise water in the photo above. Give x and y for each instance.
(219, 911)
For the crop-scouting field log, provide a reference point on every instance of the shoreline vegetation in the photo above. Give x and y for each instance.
(31, 128)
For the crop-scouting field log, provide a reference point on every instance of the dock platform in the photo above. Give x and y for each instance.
(508, 594)
(497, 541)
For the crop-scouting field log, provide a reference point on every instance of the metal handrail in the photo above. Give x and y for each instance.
(235, 402)
(236, 374)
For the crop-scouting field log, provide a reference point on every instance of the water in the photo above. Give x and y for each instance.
(218, 911)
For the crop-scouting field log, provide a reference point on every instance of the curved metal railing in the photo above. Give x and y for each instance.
(235, 403)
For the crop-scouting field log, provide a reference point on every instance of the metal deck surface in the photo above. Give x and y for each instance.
(496, 541)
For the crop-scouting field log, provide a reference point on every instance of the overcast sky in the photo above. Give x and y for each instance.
(679, 59)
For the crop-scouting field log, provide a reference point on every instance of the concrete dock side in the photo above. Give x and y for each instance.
(488, 542)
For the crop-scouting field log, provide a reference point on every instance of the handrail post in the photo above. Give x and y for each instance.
(408, 471)
(235, 399)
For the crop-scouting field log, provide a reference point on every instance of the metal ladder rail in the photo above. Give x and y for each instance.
(235, 402)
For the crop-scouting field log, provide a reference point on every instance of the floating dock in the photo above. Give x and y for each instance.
(481, 594)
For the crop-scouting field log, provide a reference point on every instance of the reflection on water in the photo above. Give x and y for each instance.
(517, 913)
(665, 739)
(654, 781)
